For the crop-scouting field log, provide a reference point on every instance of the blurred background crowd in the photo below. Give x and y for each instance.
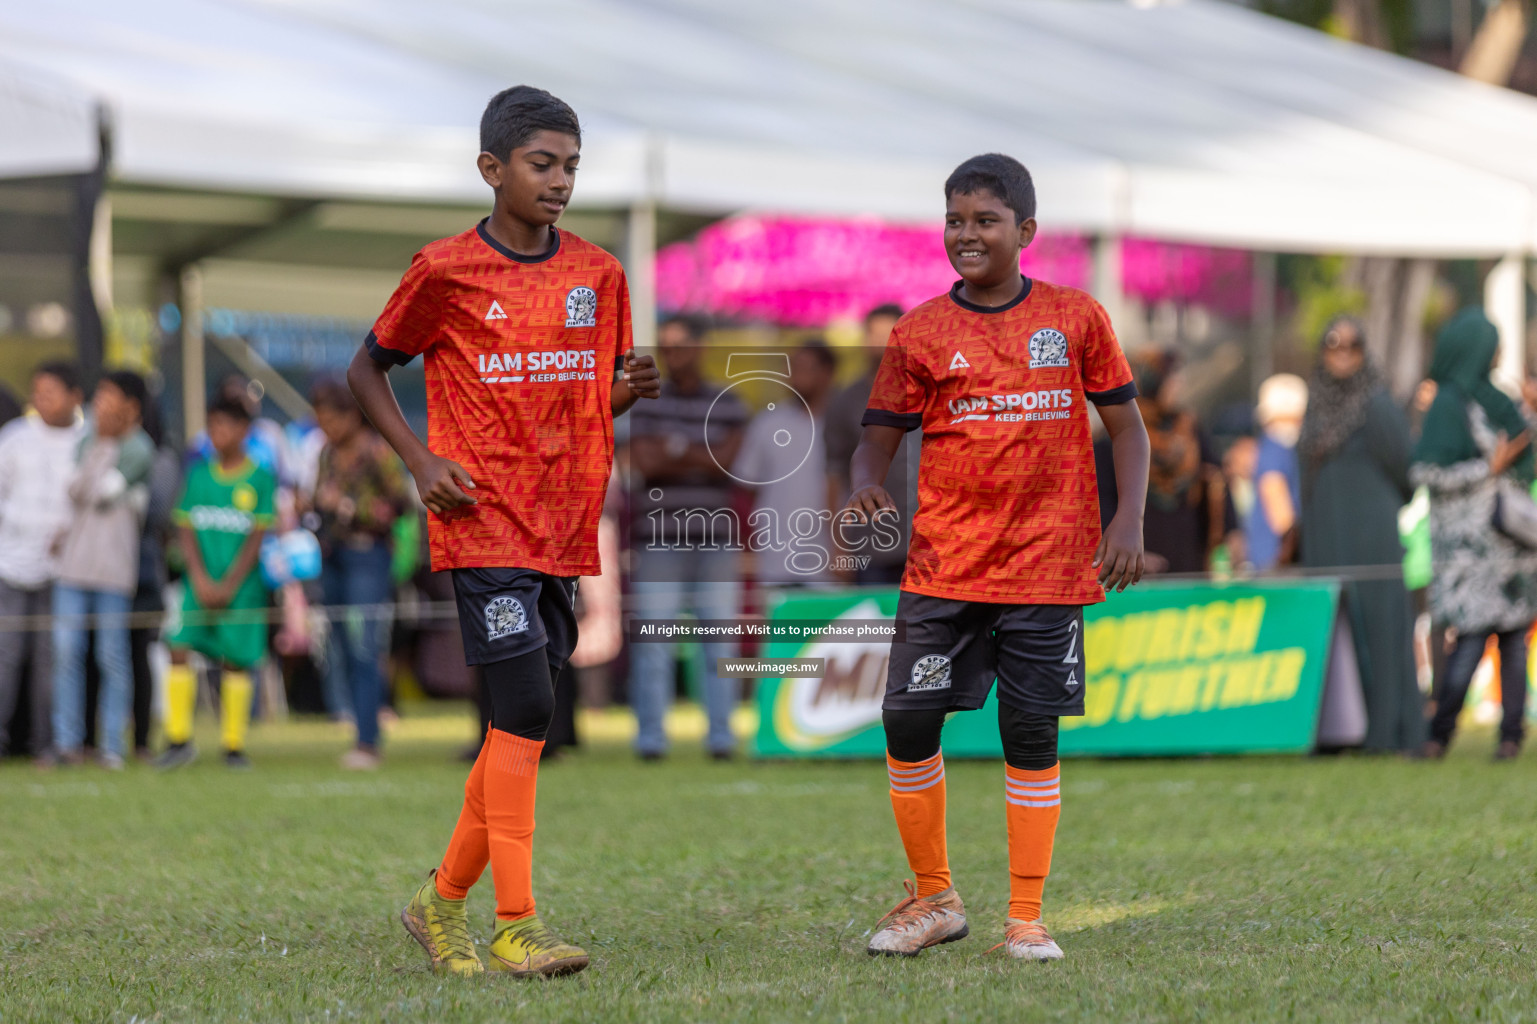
(1326, 294)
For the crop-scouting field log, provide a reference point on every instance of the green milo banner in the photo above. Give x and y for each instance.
(1172, 669)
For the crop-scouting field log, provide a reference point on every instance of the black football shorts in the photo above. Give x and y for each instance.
(504, 613)
(955, 649)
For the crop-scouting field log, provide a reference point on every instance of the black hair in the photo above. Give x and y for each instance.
(130, 384)
(61, 370)
(819, 348)
(331, 393)
(224, 404)
(1001, 175)
(890, 309)
(692, 325)
(513, 116)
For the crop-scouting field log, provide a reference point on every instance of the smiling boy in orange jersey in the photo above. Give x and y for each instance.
(526, 333)
(1006, 545)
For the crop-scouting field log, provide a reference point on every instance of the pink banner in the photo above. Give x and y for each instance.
(809, 272)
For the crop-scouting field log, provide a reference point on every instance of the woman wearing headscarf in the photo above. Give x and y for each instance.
(1355, 477)
(1483, 583)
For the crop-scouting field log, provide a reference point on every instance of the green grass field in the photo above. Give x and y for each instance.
(1340, 889)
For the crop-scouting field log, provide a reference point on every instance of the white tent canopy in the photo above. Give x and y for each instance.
(1196, 120)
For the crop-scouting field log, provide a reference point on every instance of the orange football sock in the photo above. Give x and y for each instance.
(918, 799)
(468, 851)
(1033, 805)
(512, 772)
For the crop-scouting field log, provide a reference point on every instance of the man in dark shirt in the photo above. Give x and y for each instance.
(843, 433)
(685, 535)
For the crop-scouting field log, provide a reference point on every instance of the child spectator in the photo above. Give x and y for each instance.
(225, 508)
(360, 490)
(99, 568)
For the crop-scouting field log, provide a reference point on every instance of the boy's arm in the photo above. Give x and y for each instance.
(202, 586)
(639, 379)
(867, 470)
(245, 560)
(438, 480)
(1119, 556)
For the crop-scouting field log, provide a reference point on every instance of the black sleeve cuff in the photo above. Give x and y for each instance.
(900, 420)
(1115, 396)
(618, 365)
(384, 355)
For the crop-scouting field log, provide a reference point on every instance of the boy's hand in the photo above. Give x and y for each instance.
(867, 501)
(1119, 556)
(211, 596)
(641, 374)
(438, 481)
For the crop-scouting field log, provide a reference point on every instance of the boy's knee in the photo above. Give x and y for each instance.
(522, 695)
(913, 736)
(1029, 739)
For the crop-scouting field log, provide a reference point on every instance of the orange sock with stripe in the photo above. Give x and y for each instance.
(918, 799)
(1033, 805)
(512, 774)
(469, 850)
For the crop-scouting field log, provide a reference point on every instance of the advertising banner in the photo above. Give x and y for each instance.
(1172, 668)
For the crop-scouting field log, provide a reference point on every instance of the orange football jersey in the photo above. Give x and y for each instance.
(521, 353)
(1008, 506)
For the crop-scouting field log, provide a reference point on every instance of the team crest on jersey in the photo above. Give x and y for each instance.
(243, 497)
(581, 307)
(958, 362)
(930, 672)
(1048, 348)
(504, 617)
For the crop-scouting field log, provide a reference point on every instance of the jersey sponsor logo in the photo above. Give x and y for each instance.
(581, 307)
(495, 312)
(243, 497)
(1043, 404)
(504, 617)
(930, 672)
(1048, 348)
(561, 364)
(219, 519)
(958, 362)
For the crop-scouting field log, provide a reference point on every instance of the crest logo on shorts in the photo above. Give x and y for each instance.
(1048, 348)
(504, 617)
(930, 672)
(582, 308)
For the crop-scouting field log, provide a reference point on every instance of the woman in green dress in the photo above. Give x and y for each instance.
(1355, 477)
(1474, 443)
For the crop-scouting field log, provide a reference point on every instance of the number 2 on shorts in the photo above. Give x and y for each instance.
(1072, 644)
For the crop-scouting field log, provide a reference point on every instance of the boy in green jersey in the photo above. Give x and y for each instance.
(226, 506)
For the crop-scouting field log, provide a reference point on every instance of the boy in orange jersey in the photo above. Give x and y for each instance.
(1006, 545)
(526, 333)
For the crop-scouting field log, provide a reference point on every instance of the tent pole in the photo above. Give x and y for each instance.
(1107, 277)
(1505, 303)
(193, 384)
(640, 269)
(1262, 318)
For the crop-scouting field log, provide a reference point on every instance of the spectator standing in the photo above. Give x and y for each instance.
(1354, 455)
(1474, 441)
(682, 532)
(360, 491)
(164, 485)
(99, 568)
(1189, 515)
(225, 509)
(789, 528)
(37, 454)
(1283, 401)
(843, 431)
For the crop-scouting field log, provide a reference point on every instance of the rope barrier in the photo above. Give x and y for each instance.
(447, 611)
